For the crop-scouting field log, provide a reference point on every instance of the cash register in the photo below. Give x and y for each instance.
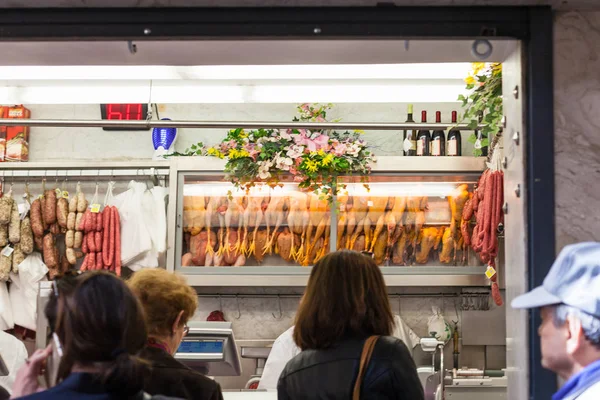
(210, 348)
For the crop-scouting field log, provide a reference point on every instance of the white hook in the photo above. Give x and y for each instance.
(239, 315)
(280, 311)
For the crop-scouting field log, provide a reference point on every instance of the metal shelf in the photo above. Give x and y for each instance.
(384, 164)
(298, 276)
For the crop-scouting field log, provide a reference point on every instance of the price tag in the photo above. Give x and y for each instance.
(407, 144)
(477, 144)
(58, 193)
(65, 194)
(41, 197)
(490, 272)
(23, 209)
(7, 251)
(342, 207)
(369, 203)
(95, 208)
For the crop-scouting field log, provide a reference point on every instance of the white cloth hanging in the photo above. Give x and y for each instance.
(14, 355)
(6, 315)
(24, 290)
(135, 238)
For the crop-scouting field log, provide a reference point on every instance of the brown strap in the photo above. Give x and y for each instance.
(365, 358)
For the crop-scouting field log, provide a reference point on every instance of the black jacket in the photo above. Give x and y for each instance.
(169, 377)
(330, 374)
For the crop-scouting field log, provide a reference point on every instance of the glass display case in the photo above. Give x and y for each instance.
(408, 217)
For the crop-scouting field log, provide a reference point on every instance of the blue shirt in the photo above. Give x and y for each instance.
(78, 386)
(579, 382)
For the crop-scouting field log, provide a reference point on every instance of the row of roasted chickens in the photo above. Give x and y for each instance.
(297, 227)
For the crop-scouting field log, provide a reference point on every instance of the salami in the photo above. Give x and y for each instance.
(36, 218)
(91, 242)
(117, 241)
(84, 245)
(97, 240)
(50, 207)
(107, 217)
(99, 262)
(99, 222)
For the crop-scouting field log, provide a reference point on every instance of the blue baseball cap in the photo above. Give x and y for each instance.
(574, 280)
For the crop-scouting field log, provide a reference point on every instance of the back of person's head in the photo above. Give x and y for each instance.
(345, 298)
(164, 296)
(100, 324)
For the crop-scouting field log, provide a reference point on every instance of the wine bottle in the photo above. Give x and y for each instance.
(438, 138)
(454, 139)
(423, 138)
(479, 136)
(410, 136)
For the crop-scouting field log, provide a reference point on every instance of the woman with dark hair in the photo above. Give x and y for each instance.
(343, 327)
(98, 325)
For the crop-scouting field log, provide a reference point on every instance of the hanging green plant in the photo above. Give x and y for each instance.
(483, 104)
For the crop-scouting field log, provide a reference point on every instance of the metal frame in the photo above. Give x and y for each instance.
(116, 124)
(295, 276)
(532, 25)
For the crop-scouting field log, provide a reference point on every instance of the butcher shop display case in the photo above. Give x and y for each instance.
(409, 217)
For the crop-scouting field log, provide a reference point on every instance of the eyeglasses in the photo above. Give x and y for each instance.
(186, 329)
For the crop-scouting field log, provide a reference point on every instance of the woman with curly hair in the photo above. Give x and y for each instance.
(169, 303)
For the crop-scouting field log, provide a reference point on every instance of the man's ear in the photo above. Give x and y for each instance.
(177, 322)
(575, 335)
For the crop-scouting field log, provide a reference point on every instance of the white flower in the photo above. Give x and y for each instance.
(283, 163)
(264, 174)
(263, 169)
(353, 149)
(295, 151)
(285, 135)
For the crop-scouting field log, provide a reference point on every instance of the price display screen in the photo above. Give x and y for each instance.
(201, 346)
(124, 112)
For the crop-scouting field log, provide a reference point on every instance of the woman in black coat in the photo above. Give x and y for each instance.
(344, 304)
(169, 303)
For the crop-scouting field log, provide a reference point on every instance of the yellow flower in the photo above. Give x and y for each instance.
(243, 134)
(360, 131)
(327, 160)
(321, 153)
(469, 80)
(311, 166)
(235, 153)
(477, 68)
(212, 151)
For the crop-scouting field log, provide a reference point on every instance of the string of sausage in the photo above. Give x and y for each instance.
(102, 243)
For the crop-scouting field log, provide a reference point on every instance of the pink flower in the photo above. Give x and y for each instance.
(299, 161)
(320, 142)
(293, 171)
(339, 149)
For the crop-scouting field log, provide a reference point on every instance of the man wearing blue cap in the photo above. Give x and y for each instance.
(569, 300)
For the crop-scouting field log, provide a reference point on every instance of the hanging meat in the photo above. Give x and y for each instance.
(380, 246)
(214, 207)
(284, 244)
(374, 220)
(356, 219)
(274, 217)
(489, 215)
(447, 247)
(198, 246)
(253, 217)
(427, 240)
(258, 243)
(298, 219)
(318, 223)
(232, 216)
(197, 215)
(345, 205)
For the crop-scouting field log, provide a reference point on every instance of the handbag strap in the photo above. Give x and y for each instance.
(365, 358)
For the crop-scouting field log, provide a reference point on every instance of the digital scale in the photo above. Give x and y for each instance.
(210, 348)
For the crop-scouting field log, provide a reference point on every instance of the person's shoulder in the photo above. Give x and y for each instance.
(390, 347)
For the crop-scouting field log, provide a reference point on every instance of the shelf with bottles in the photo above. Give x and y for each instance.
(438, 143)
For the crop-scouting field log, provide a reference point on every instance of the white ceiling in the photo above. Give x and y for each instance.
(557, 4)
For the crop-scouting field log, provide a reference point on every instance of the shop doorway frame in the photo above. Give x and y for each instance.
(532, 25)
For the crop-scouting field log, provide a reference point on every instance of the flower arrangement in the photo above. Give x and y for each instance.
(484, 101)
(314, 158)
